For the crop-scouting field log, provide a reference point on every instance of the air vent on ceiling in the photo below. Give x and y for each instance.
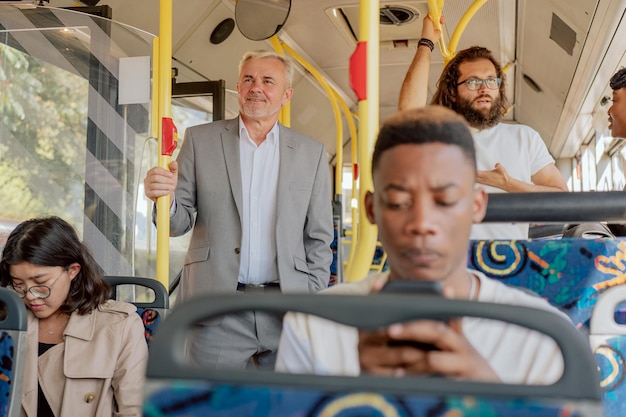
(396, 15)
(562, 34)
(400, 25)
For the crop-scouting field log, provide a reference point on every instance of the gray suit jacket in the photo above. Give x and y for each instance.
(209, 185)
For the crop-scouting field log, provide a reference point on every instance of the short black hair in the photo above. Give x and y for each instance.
(430, 124)
(618, 80)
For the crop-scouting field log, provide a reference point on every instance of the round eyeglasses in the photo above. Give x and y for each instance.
(474, 84)
(38, 291)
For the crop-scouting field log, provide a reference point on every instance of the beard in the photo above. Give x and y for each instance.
(480, 119)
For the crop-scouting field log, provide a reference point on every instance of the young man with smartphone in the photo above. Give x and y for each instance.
(424, 204)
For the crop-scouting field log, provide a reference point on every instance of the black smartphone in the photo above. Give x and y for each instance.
(406, 286)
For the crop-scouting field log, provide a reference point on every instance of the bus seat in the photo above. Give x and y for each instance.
(151, 299)
(178, 387)
(335, 247)
(588, 231)
(570, 273)
(12, 352)
(379, 262)
(608, 341)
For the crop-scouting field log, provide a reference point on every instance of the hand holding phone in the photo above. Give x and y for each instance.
(408, 286)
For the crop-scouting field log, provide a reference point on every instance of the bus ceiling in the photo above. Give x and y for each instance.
(560, 54)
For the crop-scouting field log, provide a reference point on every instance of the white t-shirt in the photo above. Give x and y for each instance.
(313, 345)
(522, 152)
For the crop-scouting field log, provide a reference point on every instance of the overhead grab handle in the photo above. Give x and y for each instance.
(435, 11)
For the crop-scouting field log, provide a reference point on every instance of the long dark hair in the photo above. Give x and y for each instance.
(51, 241)
(447, 85)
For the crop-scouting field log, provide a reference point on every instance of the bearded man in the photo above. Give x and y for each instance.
(510, 157)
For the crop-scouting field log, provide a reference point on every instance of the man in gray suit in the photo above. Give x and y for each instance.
(261, 194)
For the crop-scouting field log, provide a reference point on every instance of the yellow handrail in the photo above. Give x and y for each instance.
(164, 110)
(334, 101)
(280, 47)
(460, 27)
(435, 11)
(368, 129)
(154, 126)
(354, 141)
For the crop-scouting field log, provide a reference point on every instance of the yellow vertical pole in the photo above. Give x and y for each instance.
(354, 196)
(337, 209)
(155, 126)
(165, 110)
(335, 101)
(368, 129)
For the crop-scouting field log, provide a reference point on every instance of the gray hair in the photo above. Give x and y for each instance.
(269, 54)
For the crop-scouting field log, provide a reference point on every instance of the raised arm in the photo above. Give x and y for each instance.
(414, 91)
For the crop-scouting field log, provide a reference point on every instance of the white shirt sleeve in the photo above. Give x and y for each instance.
(173, 207)
(538, 152)
(294, 352)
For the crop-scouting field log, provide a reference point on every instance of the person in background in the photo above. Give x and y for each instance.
(617, 111)
(617, 118)
(424, 204)
(510, 157)
(261, 196)
(86, 355)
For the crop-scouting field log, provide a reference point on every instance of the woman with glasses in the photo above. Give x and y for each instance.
(86, 354)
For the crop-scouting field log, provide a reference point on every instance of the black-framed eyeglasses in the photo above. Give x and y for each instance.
(474, 84)
(38, 291)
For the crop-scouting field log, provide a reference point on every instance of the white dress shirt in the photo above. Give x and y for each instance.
(259, 180)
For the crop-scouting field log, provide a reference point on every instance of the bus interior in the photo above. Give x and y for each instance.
(558, 57)
(78, 120)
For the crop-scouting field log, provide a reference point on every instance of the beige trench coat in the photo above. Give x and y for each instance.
(103, 359)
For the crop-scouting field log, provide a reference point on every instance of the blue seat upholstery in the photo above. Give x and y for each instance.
(570, 273)
(12, 351)
(575, 275)
(151, 312)
(178, 387)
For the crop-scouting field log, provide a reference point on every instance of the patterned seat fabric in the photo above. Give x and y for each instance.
(6, 371)
(151, 320)
(224, 400)
(571, 274)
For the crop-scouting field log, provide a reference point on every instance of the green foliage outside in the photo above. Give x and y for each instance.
(43, 118)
